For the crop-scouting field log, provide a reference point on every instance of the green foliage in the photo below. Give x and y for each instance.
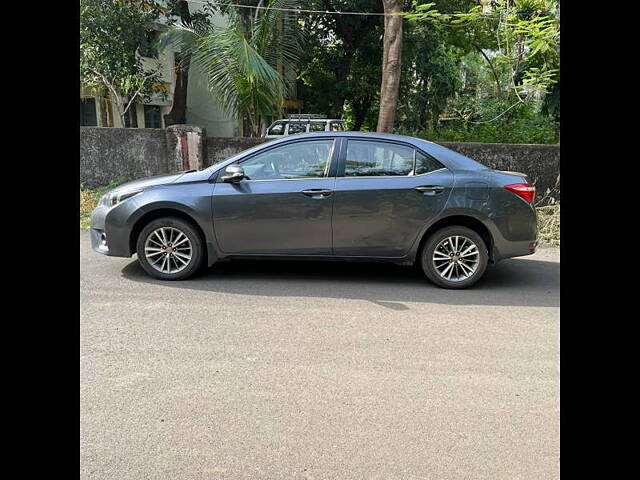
(341, 70)
(89, 198)
(468, 73)
(111, 33)
(248, 62)
(507, 56)
(527, 36)
(523, 123)
(430, 76)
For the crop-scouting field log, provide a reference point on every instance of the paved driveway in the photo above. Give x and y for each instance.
(318, 370)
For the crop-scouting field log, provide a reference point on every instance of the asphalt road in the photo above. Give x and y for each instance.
(319, 371)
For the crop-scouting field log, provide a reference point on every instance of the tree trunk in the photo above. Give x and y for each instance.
(360, 110)
(178, 113)
(493, 70)
(133, 113)
(391, 57)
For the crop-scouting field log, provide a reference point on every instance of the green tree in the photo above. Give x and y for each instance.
(249, 62)
(430, 77)
(340, 72)
(525, 40)
(111, 34)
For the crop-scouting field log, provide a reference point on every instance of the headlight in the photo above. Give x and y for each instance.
(112, 199)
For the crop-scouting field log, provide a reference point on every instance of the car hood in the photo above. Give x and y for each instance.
(149, 182)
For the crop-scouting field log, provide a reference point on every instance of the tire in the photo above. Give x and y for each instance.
(463, 271)
(151, 245)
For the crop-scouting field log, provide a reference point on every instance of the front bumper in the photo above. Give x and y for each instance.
(109, 232)
(99, 241)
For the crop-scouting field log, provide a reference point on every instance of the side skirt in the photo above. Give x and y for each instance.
(333, 258)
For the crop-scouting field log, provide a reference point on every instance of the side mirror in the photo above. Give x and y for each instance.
(233, 173)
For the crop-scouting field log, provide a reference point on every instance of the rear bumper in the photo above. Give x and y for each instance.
(513, 249)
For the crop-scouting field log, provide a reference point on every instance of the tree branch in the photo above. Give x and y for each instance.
(498, 116)
(493, 70)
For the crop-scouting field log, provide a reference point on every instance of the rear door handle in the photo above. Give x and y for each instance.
(317, 192)
(430, 189)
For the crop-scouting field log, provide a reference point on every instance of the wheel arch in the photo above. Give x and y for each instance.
(151, 215)
(459, 220)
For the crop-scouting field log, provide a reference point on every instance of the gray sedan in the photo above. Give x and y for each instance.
(328, 196)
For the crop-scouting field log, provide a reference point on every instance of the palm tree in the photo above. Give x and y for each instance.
(250, 62)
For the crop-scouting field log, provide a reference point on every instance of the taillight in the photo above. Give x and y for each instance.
(526, 191)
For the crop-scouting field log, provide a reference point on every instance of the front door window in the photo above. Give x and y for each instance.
(298, 160)
(276, 129)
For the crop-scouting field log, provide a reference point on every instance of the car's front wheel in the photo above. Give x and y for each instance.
(170, 249)
(454, 257)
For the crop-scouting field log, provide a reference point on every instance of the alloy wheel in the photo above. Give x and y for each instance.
(456, 258)
(168, 250)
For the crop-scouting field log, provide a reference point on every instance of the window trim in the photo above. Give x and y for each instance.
(331, 166)
(342, 162)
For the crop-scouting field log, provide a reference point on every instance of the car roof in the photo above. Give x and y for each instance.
(449, 158)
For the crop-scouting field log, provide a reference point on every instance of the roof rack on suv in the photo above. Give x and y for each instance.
(305, 116)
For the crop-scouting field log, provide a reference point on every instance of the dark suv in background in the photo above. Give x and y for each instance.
(325, 195)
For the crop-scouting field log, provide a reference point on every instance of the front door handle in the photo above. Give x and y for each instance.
(430, 189)
(317, 192)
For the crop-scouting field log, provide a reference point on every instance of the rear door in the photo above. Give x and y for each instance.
(385, 192)
(284, 204)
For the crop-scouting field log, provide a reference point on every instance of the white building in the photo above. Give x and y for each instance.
(202, 108)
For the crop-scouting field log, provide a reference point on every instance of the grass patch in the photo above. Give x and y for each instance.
(549, 224)
(89, 198)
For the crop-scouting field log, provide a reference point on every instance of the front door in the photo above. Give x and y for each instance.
(385, 193)
(284, 204)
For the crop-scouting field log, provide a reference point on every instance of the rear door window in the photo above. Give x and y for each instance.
(317, 126)
(369, 159)
(425, 164)
(297, 127)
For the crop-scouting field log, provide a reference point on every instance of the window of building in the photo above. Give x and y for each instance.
(88, 113)
(367, 159)
(152, 116)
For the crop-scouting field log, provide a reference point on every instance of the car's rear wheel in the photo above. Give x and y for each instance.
(454, 257)
(170, 248)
